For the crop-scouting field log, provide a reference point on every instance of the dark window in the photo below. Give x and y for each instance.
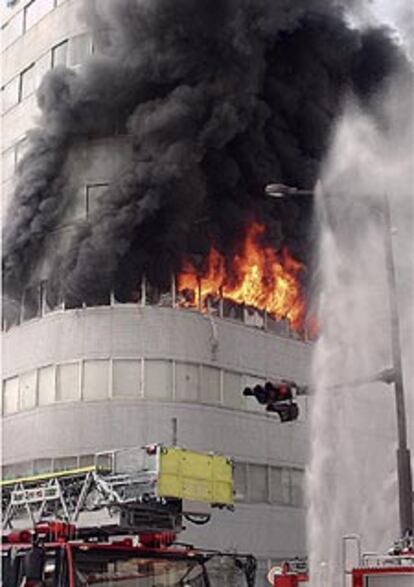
(31, 302)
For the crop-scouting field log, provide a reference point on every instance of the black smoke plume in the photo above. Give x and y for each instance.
(218, 99)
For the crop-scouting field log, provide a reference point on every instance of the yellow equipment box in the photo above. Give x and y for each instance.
(195, 476)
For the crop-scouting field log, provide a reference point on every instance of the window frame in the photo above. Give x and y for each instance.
(21, 95)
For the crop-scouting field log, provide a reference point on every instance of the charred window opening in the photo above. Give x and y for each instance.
(31, 306)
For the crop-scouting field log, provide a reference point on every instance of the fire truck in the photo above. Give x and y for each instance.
(395, 569)
(115, 523)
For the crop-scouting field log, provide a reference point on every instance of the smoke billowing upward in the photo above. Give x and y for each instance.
(219, 99)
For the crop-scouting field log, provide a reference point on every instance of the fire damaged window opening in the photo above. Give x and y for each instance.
(93, 192)
(39, 300)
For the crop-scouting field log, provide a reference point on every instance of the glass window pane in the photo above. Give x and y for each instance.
(20, 470)
(65, 463)
(11, 312)
(10, 395)
(80, 47)
(27, 79)
(297, 482)
(10, 94)
(232, 390)
(46, 385)
(60, 54)
(126, 378)
(240, 481)
(210, 385)
(86, 460)
(95, 380)
(187, 382)
(42, 466)
(158, 379)
(67, 382)
(27, 390)
(258, 491)
(279, 485)
(36, 10)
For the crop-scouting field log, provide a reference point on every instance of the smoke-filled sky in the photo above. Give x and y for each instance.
(218, 100)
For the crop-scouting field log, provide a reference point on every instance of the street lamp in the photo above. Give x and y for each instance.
(393, 375)
(280, 190)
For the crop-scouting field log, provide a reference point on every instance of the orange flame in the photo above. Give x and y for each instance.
(259, 277)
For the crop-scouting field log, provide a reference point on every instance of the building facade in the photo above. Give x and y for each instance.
(79, 380)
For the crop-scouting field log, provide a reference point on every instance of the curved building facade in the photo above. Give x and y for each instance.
(79, 380)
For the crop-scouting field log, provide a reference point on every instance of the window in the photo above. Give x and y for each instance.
(210, 385)
(65, 463)
(10, 396)
(240, 481)
(27, 390)
(36, 10)
(46, 385)
(126, 378)
(10, 94)
(93, 193)
(41, 466)
(17, 470)
(297, 483)
(86, 460)
(31, 302)
(80, 47)
(158, 379)
(279, 485)
(67, 381)
(258, 483)
(60, 54)
(27, 80)
(95, 380)
(187, 382)
(232, 390)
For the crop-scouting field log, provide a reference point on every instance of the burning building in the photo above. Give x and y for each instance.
(147, 279)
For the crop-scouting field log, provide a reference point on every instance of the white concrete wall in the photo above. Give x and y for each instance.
(79, 426)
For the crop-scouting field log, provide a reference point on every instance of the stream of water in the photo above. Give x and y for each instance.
(352, 483)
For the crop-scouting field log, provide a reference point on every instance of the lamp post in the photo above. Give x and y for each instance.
(393, 375)
(405, 484)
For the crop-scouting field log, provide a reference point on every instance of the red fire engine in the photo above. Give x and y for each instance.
(396, 569)
(116, 524)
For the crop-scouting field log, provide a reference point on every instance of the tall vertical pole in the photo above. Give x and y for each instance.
(405, 485)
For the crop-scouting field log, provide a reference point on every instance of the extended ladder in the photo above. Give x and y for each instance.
(136, 490)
